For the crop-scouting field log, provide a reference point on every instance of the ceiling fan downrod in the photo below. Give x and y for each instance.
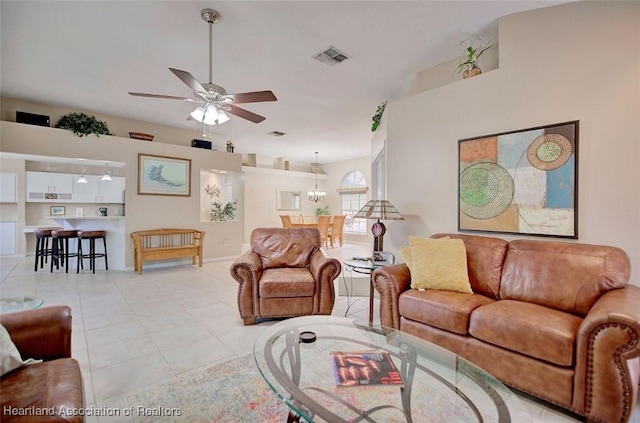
(211, 17)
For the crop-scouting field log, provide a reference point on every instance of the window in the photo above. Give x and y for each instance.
(353, 196)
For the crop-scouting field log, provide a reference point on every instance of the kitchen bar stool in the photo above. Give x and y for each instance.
(92, 256)
(43, 235)
(60, 249)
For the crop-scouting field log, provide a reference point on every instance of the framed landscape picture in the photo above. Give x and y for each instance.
(162, 175)
(522, 182)
(56, 210)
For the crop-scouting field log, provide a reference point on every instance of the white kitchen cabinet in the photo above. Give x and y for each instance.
(98, 191)
(7, 238)
(112, 191)
(8, 188)
(86, 193)
(49, 187)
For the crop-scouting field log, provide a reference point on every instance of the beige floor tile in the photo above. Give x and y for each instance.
(104, 355)
(194, 355)
(120, 332)
(128, 377)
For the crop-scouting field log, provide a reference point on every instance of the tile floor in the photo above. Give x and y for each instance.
(131, 332)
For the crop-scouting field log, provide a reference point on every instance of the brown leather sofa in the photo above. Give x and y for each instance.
(554, 319)
(285, 274)
(40, 388)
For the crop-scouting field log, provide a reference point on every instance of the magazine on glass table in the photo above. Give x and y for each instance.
(365, 368)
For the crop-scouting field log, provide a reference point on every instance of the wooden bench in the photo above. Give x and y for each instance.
(163, 244)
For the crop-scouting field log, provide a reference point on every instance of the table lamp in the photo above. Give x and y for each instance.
(379, 210)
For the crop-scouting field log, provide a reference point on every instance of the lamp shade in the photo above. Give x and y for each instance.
(209, 114)
(378, 209)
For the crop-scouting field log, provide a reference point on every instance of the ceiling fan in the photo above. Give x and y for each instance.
(214, 101)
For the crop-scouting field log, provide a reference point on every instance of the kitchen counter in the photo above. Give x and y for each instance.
(116, 235)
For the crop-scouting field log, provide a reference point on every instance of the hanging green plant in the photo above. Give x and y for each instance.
(82, 125)
(376, 118)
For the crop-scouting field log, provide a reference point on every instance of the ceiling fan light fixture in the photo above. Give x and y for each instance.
(209, 114)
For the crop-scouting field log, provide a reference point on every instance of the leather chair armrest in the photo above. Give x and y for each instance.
(390, 282)
(44, 333)
(247, 271)
(608, 356)
(247, 267)
(325, 270)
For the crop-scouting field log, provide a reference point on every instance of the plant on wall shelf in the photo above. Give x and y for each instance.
(474, 47)
(376, 118)
(82, 124)
(220, 212)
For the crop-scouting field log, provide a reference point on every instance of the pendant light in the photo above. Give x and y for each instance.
(316, 195)
(82, 179)
(107, 172)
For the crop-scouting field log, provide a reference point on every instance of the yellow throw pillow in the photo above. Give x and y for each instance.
(439, 264)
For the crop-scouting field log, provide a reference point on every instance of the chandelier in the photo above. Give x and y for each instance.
(316, 195)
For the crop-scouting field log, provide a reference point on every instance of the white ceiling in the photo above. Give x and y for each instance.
(89, 54)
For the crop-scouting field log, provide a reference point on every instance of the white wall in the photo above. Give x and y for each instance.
(578, 61)
(260, 186)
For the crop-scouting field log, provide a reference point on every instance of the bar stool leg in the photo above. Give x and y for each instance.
(106, 263)
(35, 267)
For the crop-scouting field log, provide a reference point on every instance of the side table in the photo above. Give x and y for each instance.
(366, 267)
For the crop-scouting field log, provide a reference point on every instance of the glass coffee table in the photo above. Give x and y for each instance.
(11, 304)
(438, 385)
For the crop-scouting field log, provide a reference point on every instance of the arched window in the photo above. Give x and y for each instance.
(353, 196)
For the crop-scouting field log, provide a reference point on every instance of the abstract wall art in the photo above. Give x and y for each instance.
(522, 182)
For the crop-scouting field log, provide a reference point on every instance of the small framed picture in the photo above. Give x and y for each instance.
(56, 210)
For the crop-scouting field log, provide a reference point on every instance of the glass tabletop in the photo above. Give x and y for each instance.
(437, 385)
(365, 264)
(11, 304)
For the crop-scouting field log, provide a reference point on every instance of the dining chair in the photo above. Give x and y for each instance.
(286, 221)
(337, 230)
(323, 227)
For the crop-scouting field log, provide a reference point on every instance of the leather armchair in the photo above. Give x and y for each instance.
(56, 383)
(285, 274)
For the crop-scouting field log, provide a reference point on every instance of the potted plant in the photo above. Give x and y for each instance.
(474, 47)
(82, 124)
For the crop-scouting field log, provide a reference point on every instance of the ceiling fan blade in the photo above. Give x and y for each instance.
(245, 114)
(252, 97)
(169, 97)
(188, 79)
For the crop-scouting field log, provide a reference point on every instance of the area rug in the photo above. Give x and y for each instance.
(230, 392)
(235, 392)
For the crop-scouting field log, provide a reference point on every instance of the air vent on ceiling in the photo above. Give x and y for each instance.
(276, 133)
(331, 56)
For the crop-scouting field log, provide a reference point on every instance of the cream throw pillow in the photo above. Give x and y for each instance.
(10, 358)
(438, 264)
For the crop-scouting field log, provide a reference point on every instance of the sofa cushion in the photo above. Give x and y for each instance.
(44, 386)
(285, 247)
(277, 283)
(565, 276)
(485, 258)
(446, 310)
(529, 329)
(439, 264)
